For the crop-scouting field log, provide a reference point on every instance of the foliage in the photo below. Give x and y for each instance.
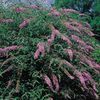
(47, 55)
(90, 7)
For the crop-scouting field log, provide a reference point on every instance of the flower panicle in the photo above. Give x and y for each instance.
(24, 23)
(41, 49)
(6, 20)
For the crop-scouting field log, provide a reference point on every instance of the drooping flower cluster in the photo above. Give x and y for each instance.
(41, 49)
(20, 9)
(66, 11)
(55, 32)
(55, 86)
(6, 20)
(3, 51)
(54, 12)
(24, 23)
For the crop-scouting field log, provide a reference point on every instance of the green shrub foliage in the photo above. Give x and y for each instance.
(47, 55)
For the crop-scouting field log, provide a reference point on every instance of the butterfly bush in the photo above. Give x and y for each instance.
(66, 54)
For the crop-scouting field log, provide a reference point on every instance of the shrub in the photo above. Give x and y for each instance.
(46, 55)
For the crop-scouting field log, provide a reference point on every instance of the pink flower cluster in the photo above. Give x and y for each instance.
(55, 32)
(6, 20)
(82, 43)
(66, 39)
(66, 11)
(34, 7)
(84, 77)
(24, 23)
(55, 85)
(71, 27)
(20, 9)
(67, 73)
(41, 49)
(81, 78)
(70, 53)
(55, 12)
(89, 32)
(77, 39)
(75, 23)
(88, 80)
(92, 64)
(3, 51)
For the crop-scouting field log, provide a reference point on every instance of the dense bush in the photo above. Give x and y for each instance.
(47, 55)
(90, 7)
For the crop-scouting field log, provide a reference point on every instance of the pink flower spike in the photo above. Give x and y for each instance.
(88, 77)
(24, 23)
(81, 78)
(3, 51)
(77, 39)
(41, 49)
(48, 81)
(36, 54)
(70, 53)
(89, 33)
(55, 82)
(55, 12)
(33, 7)
(69, 64)
(96, 66)
(10, 48)
(71, 27)
(20, 9)
(89, 48)
(70, 11)
(51, 98)
(6, 20)
(50, 41)
(65, 38)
